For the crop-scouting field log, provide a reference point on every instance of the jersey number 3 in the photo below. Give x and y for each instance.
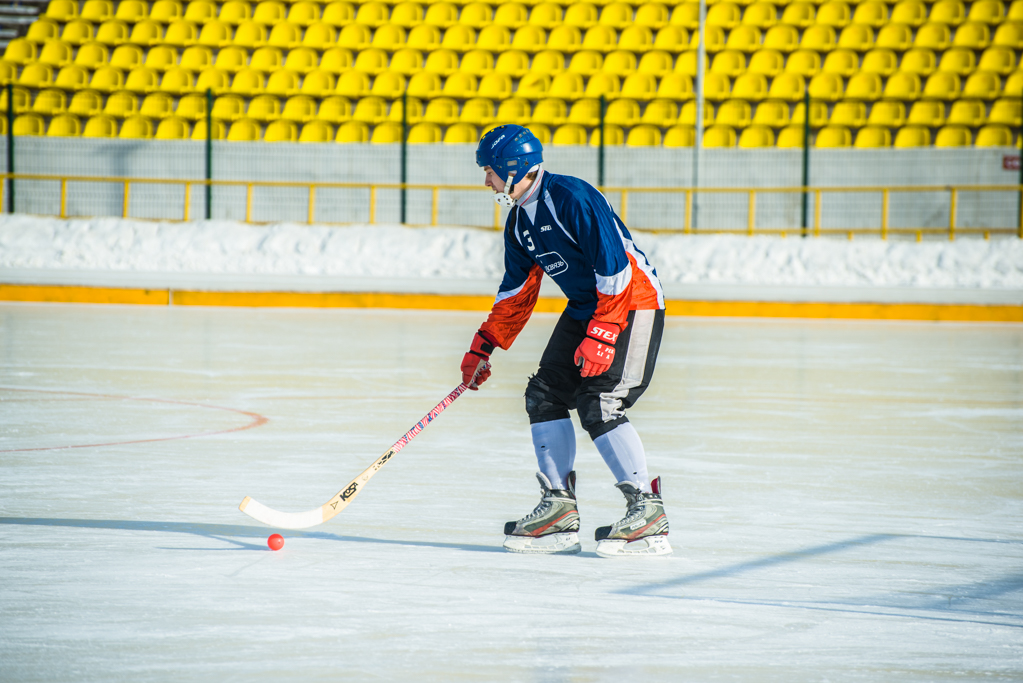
(529, 241)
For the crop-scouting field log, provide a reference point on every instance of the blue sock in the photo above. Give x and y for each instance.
(623, 452)
(554, 443)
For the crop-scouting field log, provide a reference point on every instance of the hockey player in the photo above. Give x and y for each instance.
(599, 359)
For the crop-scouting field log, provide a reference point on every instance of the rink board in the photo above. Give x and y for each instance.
(740, 309)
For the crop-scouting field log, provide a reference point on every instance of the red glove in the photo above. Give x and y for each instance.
(597, 351)
(477, 358)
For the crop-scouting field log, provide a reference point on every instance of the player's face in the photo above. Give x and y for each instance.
(494, 182)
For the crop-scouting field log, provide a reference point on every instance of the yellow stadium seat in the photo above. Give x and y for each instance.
(136, 128)
(953, 136)
(80, 31)
(462, 38)
(529, 39)
(546, 15)
(316, 131)
(639, 87)
(686, 15)
(984, 85)
(50, 102)
(244, 130)
(167, 11)
(672, 39)
(534, 86)
(107, 79)
(994, 136)
(617, 15)
(100, 127)
(442, 111)
(302, 109)
(374, 61)
(514, 63)
(585, 113)
(425, 85)
(1014, 82)
(1015, 12)
(880, 61)
(942, 86)
(653, 15)
(55, 53)
(72, 77)
(569, 86)
(643, 136)
(614, 136)
(303, 60)
(903, 86)
(750, 86)
(407, 61)
(660, 113)
(281, 131)
(1010, 35)
(787, 86)
(478, 111)
(352, 131)
(440, 62)
(864, 86)
(161, 58)
(200, 11)
(687, 114)
(302, 13)
(831, 137)
(514, 110)
(898, 37)
(336, 60)
(86, 103)
(479, 63)
(172, 128)
(321, 36)
(550, 112)
(834, 13)
(772, 113)
(581, 15)
(622, 112)
(460, 85)
(549, 62)
(637, 39)
(476, 15)
(228, 108)
(142, 80)
(248, 83)
(250, 35)
(719, 136)
(131, 11)
(64, 126)
(41, 30)
(927, 113)
(157, 105)
(389, 37)
(873, 13)
(335, 109)
(912, 136)
(461, 134)
(407, 14)
(657, 63)
(760, 14)
(856, 37)
(827, 87)
(36, 75)
(600, 38)
(676, 87)
(717, 87)
(620, 63)
(770, 63)
(727, 15)
(849, 113)
(791, 137)
(756, 137)
(841, 62)
(951, 12)
(146, 33)
(806, 63)
(781, 37)
(495, 86)
(511, 15)
(319, 83)
(887, 114)
(215, 34)
(564, 39)
(997, 60)
(285, 35)
(820, 38)
(584, 63)
(799, 14)
(92, 56)
(731, 63)
(987, 12)
(909, 12)
(338, 14)
(680, 136)
(356, 84)
(604, 84)
(569, 134)
(192, 107)
(969, 113)
(233, 59)
(234, 12)
(372, 14)
(919, 61)
(425, 134)
(97, 11)
(358, 37)
(1007, 112)
(873, 137)
(735, 113)
(371, 110)
(972, 35)
(716, 39)
(181, 34)
(818, 114)
(283, 83)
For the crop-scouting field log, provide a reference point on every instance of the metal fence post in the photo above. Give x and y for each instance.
(806, 159)
(600, 150)
(404, 152)
(209, 153)
(10, 147)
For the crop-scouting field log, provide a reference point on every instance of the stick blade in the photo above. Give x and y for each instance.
(281, 520)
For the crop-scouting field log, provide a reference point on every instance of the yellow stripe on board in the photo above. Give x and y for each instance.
(742, 309)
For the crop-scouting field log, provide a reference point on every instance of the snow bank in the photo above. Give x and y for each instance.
(381, 251)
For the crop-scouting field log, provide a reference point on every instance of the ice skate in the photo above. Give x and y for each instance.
(552, 527)
(643, 530)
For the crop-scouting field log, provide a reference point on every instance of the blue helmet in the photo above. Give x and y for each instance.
(509, 149)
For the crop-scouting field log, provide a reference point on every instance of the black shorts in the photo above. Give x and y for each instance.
(557, 387)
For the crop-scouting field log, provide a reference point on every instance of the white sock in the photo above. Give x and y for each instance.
(554, 443)
(623, 452)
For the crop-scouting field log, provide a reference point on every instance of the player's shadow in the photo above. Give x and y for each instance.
(229, 533)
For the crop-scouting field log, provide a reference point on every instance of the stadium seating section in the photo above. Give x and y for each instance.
(915, 73)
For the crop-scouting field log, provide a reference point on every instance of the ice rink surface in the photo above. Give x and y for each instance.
(845, 498)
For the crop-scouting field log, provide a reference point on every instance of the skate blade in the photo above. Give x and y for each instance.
(651, 545)
(565, 543)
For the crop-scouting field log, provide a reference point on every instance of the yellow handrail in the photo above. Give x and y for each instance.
(623, 193)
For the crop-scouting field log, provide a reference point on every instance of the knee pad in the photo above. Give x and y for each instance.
(542, 405)
(592, 416)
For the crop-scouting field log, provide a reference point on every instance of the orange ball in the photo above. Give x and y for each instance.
(276, 541)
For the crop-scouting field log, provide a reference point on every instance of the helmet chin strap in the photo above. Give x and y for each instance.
(504, 198)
